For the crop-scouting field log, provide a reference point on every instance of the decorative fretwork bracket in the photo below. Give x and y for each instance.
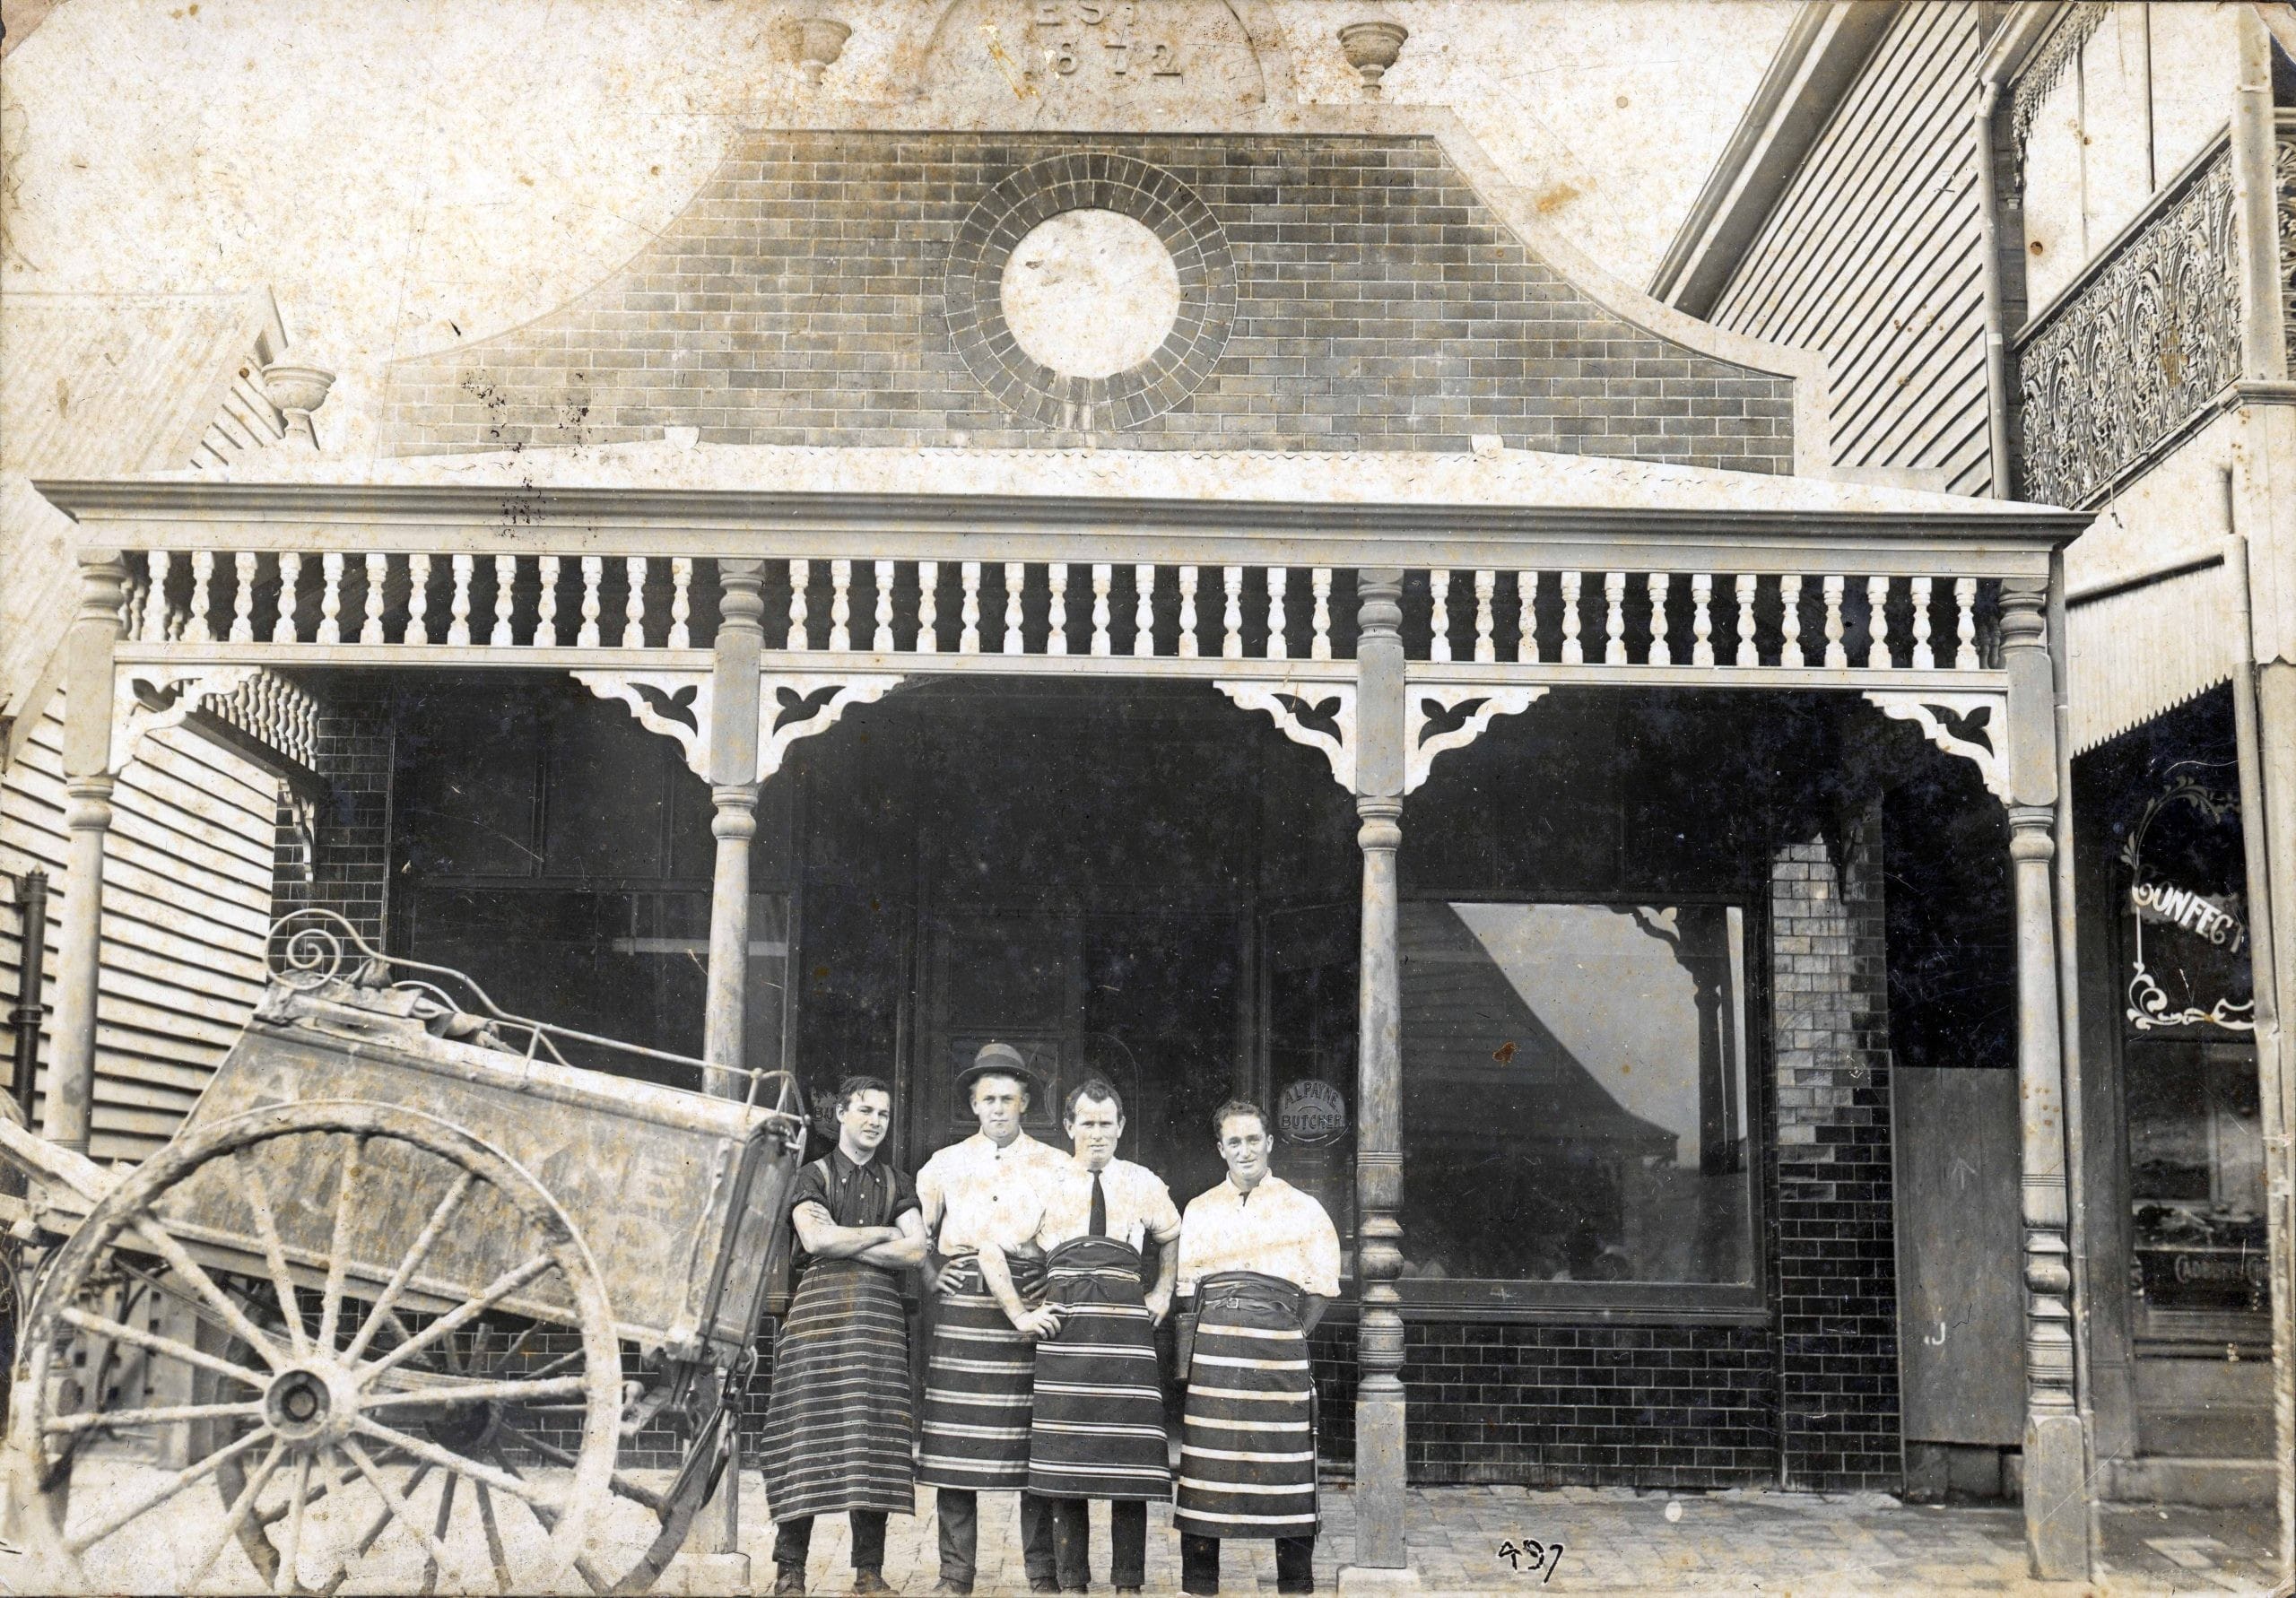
(1443, 716)
(1318, 714)
(793, 705)
(1972, 725)
(146, 698)
(673, 704)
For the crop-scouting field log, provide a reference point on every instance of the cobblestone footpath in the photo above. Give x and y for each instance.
(1462, 1540)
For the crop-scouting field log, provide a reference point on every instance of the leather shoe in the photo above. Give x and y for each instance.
(789, 1583)
(870, 1581)
(961, 1589)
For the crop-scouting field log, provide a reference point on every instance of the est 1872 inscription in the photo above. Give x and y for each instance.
(1066, 37)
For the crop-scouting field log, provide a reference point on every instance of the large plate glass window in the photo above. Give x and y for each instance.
(1576, 1124)
(2197, 1263)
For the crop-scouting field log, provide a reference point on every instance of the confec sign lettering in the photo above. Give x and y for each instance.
(2192, 911)
(2186, 944)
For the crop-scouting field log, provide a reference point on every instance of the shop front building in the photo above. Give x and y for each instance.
(2094, 310)
(1379, 669)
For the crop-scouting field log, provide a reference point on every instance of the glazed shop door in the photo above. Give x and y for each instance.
(1151, 1001)
(1163, 1022)
(1016, 975)
(1309, 957)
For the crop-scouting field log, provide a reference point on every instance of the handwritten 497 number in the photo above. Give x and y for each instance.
(1529, 1556)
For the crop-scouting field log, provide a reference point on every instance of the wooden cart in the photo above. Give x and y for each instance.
(403, 1302)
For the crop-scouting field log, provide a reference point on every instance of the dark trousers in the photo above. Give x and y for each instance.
(1295, 1564)
(959, 1512)
(1072, 1542)
(794, 1539)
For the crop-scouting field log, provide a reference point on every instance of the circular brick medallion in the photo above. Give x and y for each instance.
(1091, 293)
(1004, 243)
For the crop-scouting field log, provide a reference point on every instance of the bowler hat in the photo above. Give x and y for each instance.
(998, 1059)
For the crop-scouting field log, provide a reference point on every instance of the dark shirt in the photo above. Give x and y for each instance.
(877, 1194)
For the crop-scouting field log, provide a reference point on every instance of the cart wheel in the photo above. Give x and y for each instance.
(353, 1437)
(673, 1505)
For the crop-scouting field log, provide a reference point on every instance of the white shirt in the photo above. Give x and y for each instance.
(1274, 1230)
(974, 1192)
(1140, 1206)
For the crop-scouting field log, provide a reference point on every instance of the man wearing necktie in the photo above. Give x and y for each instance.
(1098, 1423)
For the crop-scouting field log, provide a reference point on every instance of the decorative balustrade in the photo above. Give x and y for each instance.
(273, 711)
(1730, 620)
(2140, 344)
(491, 602)
(254, 604)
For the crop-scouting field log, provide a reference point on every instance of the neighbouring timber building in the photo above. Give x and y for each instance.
(2048, 251)
(1211, 590)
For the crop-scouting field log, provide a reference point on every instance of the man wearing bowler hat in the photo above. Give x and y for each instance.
(980, 1375)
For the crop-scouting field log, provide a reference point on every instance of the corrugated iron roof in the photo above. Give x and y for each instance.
(103, 384)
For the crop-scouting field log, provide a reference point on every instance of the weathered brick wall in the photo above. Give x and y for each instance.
(1378, 304)
(349, 872)
(1836, 1260)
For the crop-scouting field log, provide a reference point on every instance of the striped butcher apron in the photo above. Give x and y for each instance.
(979, 1382)
(1247, 1438)
(837, 1423)
(1099, 1426)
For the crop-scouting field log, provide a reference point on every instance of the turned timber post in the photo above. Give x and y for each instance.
(1378, 1132)
(87, 817)
(734, 693)
(2055, 1464)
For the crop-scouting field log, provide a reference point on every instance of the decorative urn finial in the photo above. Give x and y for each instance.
(821, 40)
(1371, 48)
(298, 391)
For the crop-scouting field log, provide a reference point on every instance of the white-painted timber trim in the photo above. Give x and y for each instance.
(629, 688)
(782, 691)
(1271, 693)
(1491, 700)
(1922, 709)
(147, 698)
(1825, 45)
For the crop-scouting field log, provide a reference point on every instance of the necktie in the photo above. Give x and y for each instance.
(1098, 1226)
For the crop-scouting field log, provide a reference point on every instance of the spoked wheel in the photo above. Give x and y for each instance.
(335, 1389)
(510, 1434)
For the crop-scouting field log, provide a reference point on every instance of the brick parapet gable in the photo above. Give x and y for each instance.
(1381, 305)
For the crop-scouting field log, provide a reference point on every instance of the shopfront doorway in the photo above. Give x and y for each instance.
(1147, 999)
(1112, 880)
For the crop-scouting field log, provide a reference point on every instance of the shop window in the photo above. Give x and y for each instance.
(1576, 1124)
(2196, 1190)
(2197, 1263)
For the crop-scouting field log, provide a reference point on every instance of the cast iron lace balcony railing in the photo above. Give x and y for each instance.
(281, 606)
(2143, 344)
(2284, 185)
